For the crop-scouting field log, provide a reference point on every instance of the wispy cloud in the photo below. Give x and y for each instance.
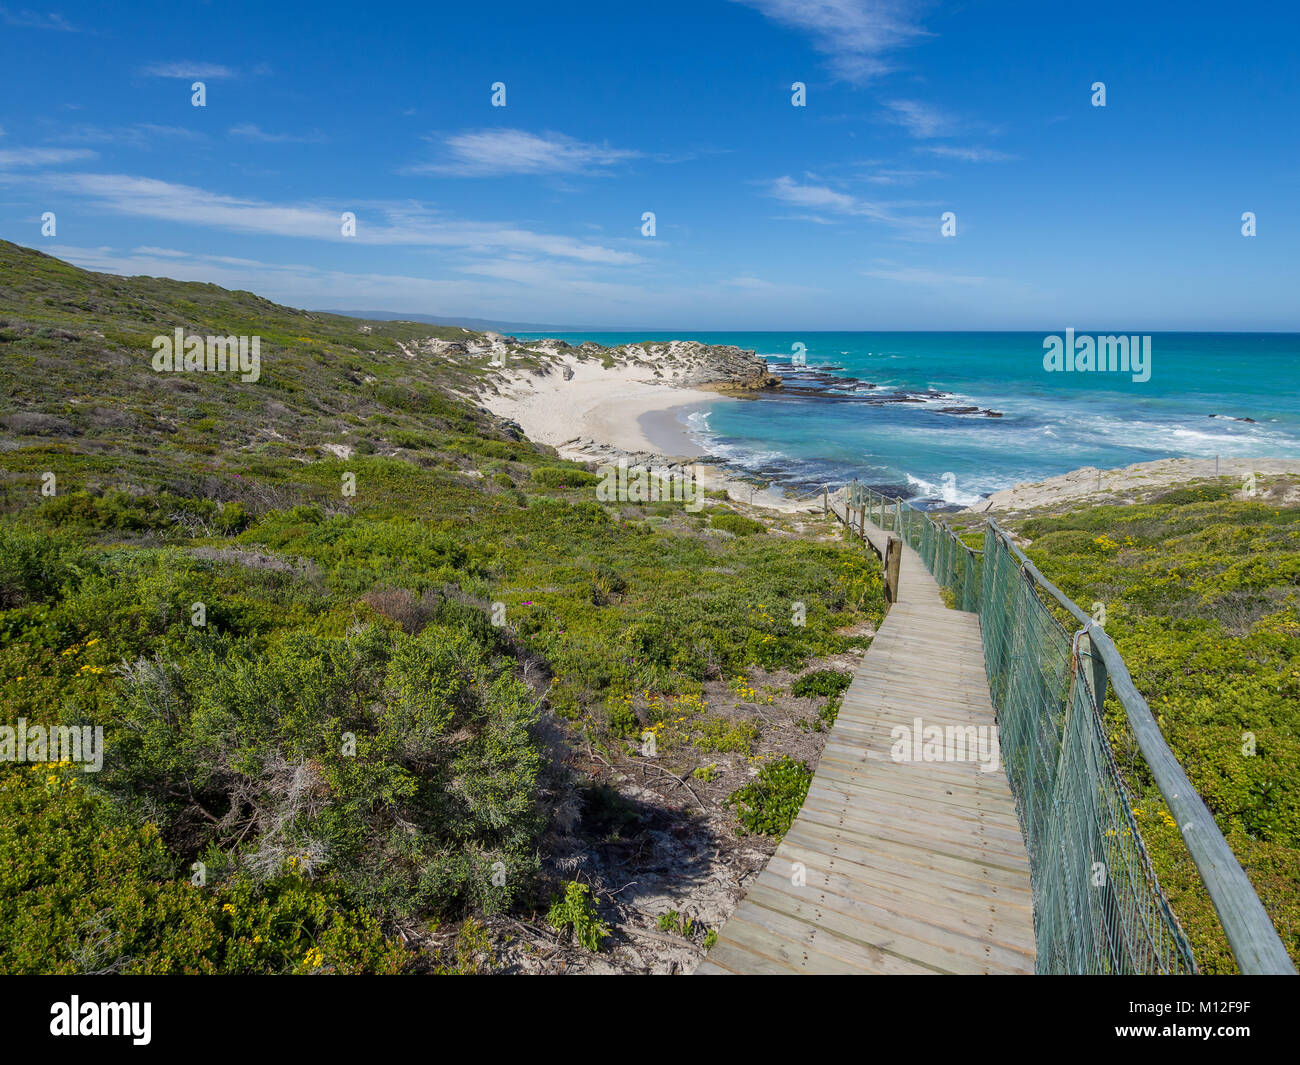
(34, 20)
(297, 284)
(911, 275)
(815, 219)
(966, 155)
(189, 69)
(27, 157)
(857, 35)
(919, 119)
(824, 198)
(900, 176)
(824, 204)
(140, 135)
(252, 132)
(495, 287)
(493, 152)
(385, 224)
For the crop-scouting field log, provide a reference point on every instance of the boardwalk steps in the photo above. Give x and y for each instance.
(906, 867)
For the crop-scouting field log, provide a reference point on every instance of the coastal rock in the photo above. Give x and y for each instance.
(713, 367)
(509, 428)
(983, 412)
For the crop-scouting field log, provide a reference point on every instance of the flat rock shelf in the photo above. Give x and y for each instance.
(907, 866)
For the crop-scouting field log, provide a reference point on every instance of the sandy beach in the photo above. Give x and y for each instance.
(599, 414)
(624, 406)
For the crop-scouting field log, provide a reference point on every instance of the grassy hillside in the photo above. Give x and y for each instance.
(372, 669)
(1202, 595)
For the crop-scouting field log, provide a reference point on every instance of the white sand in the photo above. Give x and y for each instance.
(600, 404)
(625, 407)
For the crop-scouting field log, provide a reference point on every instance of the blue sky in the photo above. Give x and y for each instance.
(768, 216)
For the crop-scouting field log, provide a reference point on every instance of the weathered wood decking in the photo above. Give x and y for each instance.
(909, 867)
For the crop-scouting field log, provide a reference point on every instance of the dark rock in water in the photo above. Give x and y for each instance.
(1232, 419)
(971, 410)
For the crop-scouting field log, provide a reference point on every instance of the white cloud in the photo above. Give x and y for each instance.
(910, 275)
(919, 119)
(22, 157)
(816, 219)
(510, 287)
(822, 197)
(189, 69)
(34, 20)
(384, 224)
(140, 135)
(292, 283)
(855, 34)
(251, 131)
(967, 155)
(900, 176)
(514, 151)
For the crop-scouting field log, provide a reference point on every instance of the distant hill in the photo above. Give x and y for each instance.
(469, 323)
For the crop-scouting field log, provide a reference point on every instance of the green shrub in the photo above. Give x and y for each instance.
(576, 909)
(562, 477)
(822, 682)
(737, 524)
(769, 804)
(327, 745)
(721, 735)
(84, 891)
(33, 566)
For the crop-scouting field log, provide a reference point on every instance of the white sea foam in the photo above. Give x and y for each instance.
(948, 490)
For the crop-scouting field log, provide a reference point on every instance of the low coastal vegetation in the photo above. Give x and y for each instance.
(383, 686)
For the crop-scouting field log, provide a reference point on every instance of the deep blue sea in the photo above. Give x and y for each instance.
(895, 433)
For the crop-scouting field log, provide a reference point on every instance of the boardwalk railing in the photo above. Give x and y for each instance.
(1098, 906)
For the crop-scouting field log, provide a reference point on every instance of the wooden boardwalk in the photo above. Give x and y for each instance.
(908, 867)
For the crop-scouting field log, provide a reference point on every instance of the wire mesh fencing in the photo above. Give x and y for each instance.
(1098, 906)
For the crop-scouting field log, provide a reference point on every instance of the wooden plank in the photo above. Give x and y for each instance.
(876, 838)
(808, 840)
(929, 936)
(842, 877)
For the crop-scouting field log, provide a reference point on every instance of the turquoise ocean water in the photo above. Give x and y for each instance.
(894, 434)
